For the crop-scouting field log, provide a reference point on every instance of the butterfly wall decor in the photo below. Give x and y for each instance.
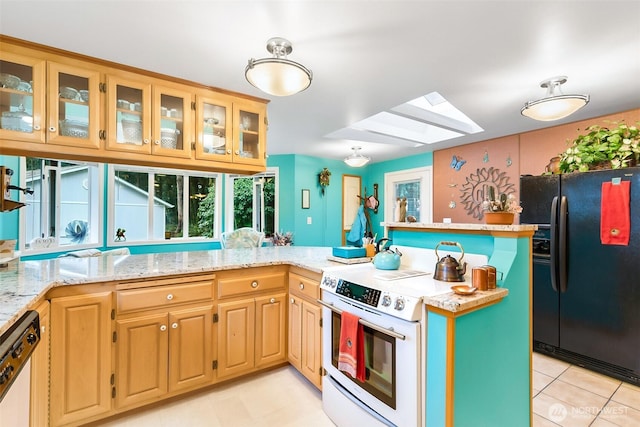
(457, 163)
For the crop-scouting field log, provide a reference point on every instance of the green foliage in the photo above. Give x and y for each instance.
(602, 148)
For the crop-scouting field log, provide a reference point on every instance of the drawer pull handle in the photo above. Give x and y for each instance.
(174, 325)
(272, 300)
(292, 301)
(254, 284)
(163, 328)
(170, 297)
(301, 286)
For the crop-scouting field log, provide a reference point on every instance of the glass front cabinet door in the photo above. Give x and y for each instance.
(172, 127)
(128, 115)
(22, 98)
(73, 106)
(213, 127)
(250, 132)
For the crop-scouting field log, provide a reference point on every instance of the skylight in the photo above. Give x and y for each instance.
(424, 120)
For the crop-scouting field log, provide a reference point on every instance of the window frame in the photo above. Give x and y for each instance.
(422, 174)
(152, 171)
(99, 210)
(229, 196)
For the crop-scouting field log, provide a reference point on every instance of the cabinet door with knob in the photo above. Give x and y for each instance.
(304, 325)
(164, 338)
(271, 340)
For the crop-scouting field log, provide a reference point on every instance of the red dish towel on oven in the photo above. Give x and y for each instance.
(615, 225)
(351, 356)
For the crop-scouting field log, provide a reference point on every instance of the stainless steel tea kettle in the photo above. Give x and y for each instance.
(448, 269)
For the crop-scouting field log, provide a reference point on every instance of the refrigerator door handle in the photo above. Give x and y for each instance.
(554, 244)
(562, 244)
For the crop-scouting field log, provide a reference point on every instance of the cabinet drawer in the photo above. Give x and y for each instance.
(163, 296)
(304, 286)
(246, 283)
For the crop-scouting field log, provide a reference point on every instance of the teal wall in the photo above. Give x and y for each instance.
(296, 173)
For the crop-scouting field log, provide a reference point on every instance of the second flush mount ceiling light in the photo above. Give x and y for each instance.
(278, 75)
(555, 105)
(356, 160)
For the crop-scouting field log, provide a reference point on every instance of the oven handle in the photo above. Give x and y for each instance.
(387, 331)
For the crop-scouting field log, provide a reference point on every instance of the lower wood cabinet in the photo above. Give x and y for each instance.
(162, 353)
(252, 321)
(251, 334)
(40, 371)
(81, 348)
(164, 340)
(305, 325)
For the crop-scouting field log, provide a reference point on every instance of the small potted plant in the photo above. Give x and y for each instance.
(282, 239)
(500, 208)
(613, 147)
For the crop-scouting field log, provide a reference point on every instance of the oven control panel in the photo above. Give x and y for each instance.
(16, 345)
(358, 292)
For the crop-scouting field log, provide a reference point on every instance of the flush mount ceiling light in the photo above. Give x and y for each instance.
(356, 160)
(278, 75)
(555, 105)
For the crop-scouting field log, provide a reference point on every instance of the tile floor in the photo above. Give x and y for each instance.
(563, 395)
(567, 395)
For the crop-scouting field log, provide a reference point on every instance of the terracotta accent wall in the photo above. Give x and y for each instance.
(500, 162)
(457, 194)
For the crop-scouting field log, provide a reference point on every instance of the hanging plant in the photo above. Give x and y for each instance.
(323, 177)
(614, 147)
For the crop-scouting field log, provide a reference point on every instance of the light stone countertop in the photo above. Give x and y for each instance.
(460, 304)
(24, 283)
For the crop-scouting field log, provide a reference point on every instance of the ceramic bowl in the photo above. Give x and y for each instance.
(68, 93)
(84, 95)
(9, 80)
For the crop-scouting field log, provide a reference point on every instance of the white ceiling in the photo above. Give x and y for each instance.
(486, 57)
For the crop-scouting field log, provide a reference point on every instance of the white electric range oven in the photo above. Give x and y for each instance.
(390, 306)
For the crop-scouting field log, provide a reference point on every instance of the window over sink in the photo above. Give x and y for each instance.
(152, 204)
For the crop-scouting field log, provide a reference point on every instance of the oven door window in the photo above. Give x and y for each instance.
(380, 362)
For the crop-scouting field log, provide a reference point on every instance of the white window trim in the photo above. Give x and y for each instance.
(150, 170)
(22, 218)
(229, 208)
(425, 176)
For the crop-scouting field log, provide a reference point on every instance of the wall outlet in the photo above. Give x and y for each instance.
(308, 220)
(446, 220)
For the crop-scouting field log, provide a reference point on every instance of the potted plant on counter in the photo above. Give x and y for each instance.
(501, 208)
(613, 147)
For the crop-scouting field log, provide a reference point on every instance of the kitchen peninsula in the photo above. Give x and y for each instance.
(474, 345)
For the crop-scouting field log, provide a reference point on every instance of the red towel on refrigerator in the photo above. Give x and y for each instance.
(615, 225)
(351, 355)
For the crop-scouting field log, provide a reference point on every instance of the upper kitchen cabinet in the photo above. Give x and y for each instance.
(22, 97)
(213, 127)
(146, 118)
(63, 105)
(249, 134)
(73, 105)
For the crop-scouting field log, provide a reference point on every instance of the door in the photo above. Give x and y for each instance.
(598, 311)
(22, 99)
(249, 133)
(142, 358)
(73, 106)
(128, 115)
(311, 362)
(271, 340)
(295, 332)
(190, 360)
(213, 128)
(236, 331)
(80, 357)
(172, 126)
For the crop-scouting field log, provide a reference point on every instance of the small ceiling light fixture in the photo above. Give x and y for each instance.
(356, 160)
(278, 75)
(555, 105)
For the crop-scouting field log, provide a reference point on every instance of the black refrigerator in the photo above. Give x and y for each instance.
(586, 294)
